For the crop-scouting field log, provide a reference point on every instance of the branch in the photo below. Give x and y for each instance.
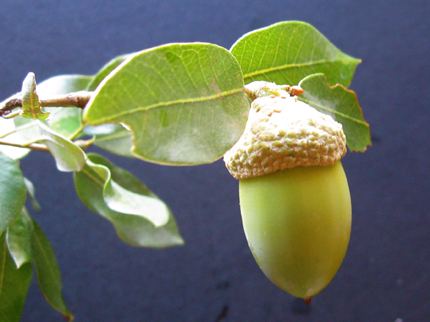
(33, 146)
(76, 99)
(83, 144)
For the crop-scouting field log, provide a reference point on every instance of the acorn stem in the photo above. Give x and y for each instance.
(308, 300)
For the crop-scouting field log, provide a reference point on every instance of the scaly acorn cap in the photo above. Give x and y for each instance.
(283, 132)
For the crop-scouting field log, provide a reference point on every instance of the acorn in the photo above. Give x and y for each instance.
(294, 196)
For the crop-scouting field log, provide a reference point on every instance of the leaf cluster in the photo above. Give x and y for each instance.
(176, 104)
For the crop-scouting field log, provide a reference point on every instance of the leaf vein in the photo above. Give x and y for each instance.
(283, 67)
(334, 111)
(61, 307)
(166, 104)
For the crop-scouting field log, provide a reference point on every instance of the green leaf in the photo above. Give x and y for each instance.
(32, 194)
(340, 103)
(14, 152)
(30, 100)
(48, 272)
(19, 239)
(106, 70)
(12, 191)
(114, 138)
(24, 133)
(286, 52)
(185, 103)
(7, 126)
(125, 201)
(14, 284)
(136, 230)
(65, 121)
(68, 156)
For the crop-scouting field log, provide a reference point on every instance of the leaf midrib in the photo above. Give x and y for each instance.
(32, 94)
(286, 66)
(113, 136)
(96, 178)
(167, 104)
(59, 306)
(29, 101)
(334, 111)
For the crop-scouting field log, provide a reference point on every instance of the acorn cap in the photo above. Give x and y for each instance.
(283, 132)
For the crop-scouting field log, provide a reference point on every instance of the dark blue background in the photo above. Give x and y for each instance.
(386, 273)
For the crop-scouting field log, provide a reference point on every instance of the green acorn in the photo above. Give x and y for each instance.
(294, 195)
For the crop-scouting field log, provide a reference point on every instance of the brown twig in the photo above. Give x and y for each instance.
(76, 99)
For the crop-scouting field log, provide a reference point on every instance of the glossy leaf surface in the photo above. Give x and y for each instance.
(14, 285)
(48, 272)
(30, 100)
(12, 191)
(184, 102)
(286, 52)
(19, 239)
(134, 229)
(341, 104)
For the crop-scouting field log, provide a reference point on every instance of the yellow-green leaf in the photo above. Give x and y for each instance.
(184, 102)
(286, 52)
(106, 70)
